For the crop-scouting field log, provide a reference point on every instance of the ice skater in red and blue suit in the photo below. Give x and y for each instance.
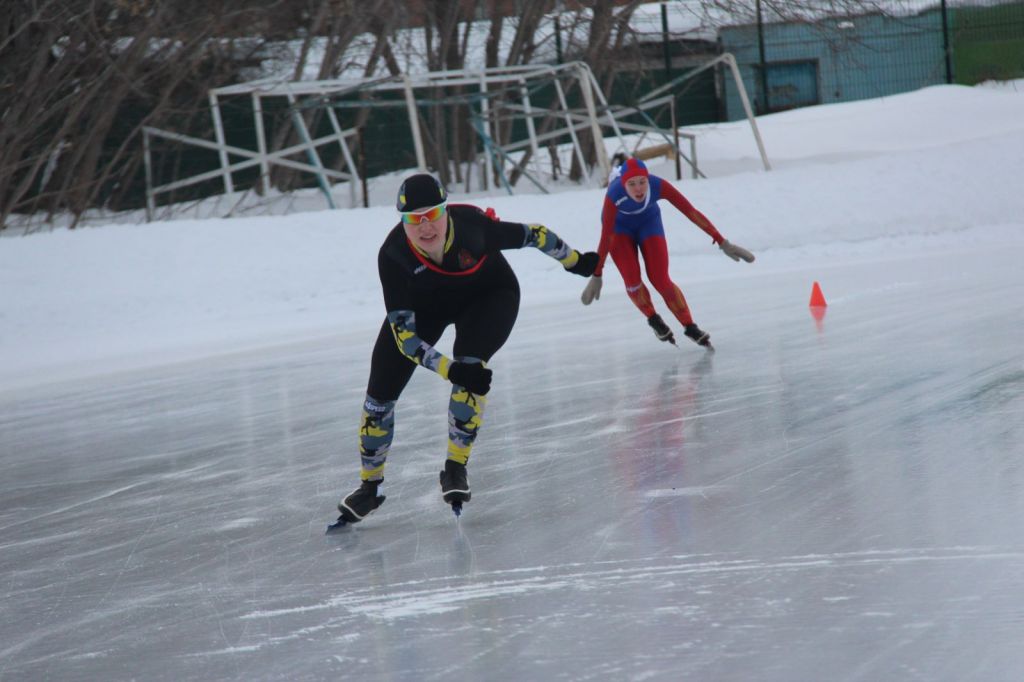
(631, 220)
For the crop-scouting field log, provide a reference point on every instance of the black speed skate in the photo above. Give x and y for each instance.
(454, 485)
(661, 329)
(358, 504)
(698, 336)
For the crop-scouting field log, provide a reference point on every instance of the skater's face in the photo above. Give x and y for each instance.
(427, 228)
(636, 187)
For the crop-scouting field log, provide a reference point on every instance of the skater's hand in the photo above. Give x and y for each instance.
(472, 376)
(735, 252)
(592, 291)
(585, 264)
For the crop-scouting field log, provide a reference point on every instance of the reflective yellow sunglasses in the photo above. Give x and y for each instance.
(424, 215)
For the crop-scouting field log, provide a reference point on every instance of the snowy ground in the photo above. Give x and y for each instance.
(820, 499)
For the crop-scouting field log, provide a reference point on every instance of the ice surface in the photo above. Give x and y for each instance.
(833, 500)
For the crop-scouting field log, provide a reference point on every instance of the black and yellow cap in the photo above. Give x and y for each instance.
(420, 191)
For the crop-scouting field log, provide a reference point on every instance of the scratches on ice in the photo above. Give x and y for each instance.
(440, 595)
(704, 491)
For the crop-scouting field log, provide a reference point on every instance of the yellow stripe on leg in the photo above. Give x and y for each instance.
(459, 453)
(372, 474)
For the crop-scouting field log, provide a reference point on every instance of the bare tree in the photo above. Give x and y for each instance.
(608, 33)
(332, 27)
(78, 80)
(521, 50)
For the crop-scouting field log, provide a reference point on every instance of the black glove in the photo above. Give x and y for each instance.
(585, 264)
(472, 376)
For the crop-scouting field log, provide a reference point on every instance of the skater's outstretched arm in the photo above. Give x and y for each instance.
(676, 198)
(503, 236)
(608, 213)
(473, 376)
(592, 291)
(551, 244)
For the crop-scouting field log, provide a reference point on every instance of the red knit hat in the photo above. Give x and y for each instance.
(631, 169)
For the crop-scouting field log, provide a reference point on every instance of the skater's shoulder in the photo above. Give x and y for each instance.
(470, 214)
(395, 246)
(615, 192)
(394, 237)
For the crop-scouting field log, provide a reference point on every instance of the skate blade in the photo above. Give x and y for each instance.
(337, 526)
(455, 499)
(707, 346)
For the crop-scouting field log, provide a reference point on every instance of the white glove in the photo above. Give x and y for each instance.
(735, 252)
(592, 291)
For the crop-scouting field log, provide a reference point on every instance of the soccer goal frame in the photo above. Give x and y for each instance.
(496, 94)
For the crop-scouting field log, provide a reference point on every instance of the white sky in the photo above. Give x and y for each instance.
(852, 182)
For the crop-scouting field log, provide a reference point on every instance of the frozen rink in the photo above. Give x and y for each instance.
(833, 500)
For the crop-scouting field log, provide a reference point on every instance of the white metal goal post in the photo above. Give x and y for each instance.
(492, 89)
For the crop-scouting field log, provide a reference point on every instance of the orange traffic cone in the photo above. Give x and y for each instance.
(818, 306)
(817, 298)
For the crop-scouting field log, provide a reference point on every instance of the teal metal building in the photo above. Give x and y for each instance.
(835, 59)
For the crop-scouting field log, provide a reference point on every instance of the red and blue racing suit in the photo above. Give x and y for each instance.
(627, 225)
